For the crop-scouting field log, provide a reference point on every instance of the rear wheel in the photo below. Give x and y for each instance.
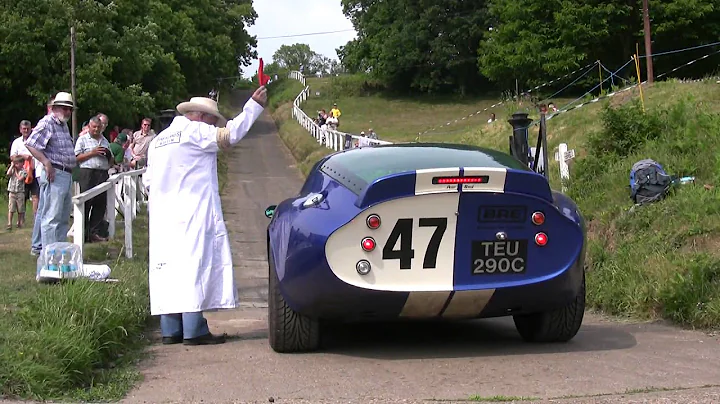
(288, 330)
(560, 325)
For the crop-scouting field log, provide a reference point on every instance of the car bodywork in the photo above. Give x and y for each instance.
(424, 231)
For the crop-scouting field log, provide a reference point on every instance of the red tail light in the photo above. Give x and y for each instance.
(541, 239)
(373, 221)
(538, 218)
(479, 179)
(368, 244)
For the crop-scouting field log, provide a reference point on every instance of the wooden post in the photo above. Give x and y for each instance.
(79, 225)
(648, 42)
(110, 213)
(72, 83)
(128, 208)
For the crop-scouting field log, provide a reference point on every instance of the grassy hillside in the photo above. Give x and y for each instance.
(301, 144)
(657, 261)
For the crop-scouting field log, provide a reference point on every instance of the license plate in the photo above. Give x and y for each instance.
(499, 257)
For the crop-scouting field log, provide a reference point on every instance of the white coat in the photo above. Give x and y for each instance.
(191, 266)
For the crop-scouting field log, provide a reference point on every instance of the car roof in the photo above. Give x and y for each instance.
(361, 166)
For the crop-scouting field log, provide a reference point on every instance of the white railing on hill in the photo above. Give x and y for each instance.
(122, 193)
(336, 140)
(332, 139)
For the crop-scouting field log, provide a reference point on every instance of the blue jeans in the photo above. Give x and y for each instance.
(187, 325)
(54, 213)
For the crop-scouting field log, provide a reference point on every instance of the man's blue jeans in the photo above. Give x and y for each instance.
(187, 325)
(54, 208)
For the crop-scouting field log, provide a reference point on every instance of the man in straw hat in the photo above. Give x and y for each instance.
(191, 267)
(52, 145)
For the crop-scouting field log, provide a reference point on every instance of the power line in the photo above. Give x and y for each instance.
(307, 34)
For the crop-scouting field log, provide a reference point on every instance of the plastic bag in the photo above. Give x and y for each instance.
(60, 261)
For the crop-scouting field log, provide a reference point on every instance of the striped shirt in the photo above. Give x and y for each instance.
(86, 143)
(52, 137)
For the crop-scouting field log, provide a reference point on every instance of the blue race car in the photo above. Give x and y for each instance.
(422, 231)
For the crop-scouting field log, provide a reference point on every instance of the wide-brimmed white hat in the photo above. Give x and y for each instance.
(205, 105)
(63, 99)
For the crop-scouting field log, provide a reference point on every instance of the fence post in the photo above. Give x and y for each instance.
(564, 168)
(133, 195)
(79, 225)
(110, 213)
(128, 207)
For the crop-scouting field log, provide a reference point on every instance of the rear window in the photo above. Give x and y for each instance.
(358, 168)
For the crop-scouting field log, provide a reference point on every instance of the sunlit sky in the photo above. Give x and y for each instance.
(292, 17)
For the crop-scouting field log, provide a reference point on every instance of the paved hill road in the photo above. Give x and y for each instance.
(392, 364)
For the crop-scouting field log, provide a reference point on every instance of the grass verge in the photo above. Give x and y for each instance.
(79, 340)
(304, 148)
(659, 261)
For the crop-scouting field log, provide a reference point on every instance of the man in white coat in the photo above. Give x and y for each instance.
(191, 267)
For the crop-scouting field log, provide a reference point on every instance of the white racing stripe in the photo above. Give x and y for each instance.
(423, 180)
(424, 304)
(496, 180)
(343, 249)
(468, 303)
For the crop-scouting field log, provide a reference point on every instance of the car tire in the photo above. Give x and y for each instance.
(288, 330)
(560, 325)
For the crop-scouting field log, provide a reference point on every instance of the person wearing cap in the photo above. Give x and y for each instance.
(191, 269)
(335, 111)
(51, 143)
(118, 147)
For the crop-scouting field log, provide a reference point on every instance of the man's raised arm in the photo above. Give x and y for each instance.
(238, 127)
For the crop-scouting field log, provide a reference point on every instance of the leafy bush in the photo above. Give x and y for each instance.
(354, 85)
(662, 259)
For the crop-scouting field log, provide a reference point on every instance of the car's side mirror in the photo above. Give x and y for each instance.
(270, 211)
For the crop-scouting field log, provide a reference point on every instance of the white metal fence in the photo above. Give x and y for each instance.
(336, 140)
(332, 139)
(124, 193)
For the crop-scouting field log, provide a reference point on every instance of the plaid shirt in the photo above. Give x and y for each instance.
(86, 143)
(52, 137)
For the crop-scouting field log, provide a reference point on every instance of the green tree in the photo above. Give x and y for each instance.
(133, 57)
(425, 45)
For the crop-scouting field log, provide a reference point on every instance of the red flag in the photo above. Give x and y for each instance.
(262, 77)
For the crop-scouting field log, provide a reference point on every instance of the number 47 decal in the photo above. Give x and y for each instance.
(403, 231)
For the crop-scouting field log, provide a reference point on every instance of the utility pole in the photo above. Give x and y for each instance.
(648, 42)
(72, 82)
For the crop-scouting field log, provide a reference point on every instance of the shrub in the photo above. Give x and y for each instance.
(658, 260)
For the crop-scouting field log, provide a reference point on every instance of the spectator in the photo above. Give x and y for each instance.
(51, 143)
(332, 123)
(32, 190)
(335, 111)
(104, 120)
(117, 148)
(372, 134)
(93, 156)
(114, 133)
(492, 118)
(36, 243)
(16, 191)
(140, 143)
(363, 141)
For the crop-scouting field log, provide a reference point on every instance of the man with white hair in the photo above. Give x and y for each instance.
(191, 267)
(52, 144)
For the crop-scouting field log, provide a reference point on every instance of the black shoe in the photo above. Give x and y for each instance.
(207, 339)
(172, 340)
